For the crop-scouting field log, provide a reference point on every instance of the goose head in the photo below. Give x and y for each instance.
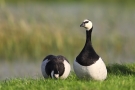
(87, 24)
(55, 74)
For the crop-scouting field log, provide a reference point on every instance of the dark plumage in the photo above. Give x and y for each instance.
(55, 67)
(87, 56)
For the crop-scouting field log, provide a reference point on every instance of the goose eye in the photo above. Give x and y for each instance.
(86, 22)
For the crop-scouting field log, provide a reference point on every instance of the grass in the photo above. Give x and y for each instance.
(120, 77)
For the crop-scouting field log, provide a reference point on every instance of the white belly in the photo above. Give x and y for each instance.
(96, 71)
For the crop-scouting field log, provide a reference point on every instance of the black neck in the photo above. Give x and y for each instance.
(88, 35)
(88, 55)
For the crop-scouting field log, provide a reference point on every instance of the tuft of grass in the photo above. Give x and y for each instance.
(121, 69)
(119, 78)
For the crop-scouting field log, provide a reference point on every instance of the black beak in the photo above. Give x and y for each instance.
(82, 25)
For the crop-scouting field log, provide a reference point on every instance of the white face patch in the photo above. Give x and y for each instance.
(56, 75)
(87, 24)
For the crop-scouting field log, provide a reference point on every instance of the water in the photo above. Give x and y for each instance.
(20, 69)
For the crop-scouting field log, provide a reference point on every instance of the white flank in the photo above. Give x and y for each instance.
(67, 70)
(43, 68)
(96, 71)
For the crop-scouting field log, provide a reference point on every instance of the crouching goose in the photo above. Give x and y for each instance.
(55, 67)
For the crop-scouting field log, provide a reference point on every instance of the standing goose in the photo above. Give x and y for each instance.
(55, 67)
(88, 64)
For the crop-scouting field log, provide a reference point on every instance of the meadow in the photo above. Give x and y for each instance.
(120, 77)
(30, 31)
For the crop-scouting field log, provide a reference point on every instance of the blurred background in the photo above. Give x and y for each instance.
(32, 29)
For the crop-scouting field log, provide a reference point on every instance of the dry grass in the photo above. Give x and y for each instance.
(32, 31)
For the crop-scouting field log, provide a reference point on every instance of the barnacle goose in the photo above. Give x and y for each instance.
(88, 64)
(55, 67)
